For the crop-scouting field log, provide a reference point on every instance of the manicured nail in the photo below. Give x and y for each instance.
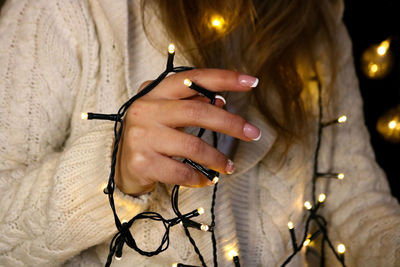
(230, 167)
(247, 80)
(252, 132)
(222, 98)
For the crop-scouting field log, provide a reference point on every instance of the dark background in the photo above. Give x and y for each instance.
(371, 22)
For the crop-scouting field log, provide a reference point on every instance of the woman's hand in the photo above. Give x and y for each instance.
(152, 132)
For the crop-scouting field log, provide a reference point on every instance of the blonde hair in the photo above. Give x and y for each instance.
(264, 38)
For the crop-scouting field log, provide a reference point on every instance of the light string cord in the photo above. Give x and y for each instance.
(124, 236)
(313, 216)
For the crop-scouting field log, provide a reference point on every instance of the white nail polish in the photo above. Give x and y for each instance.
(222, 98)
(258, 138)
(255, 85)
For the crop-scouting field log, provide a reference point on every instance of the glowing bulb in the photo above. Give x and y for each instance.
(84, 116)
(341, 248)
(307, 242)
(171, 48)
(373, 68)
(290, 225)
(217, 22)
(124, 221)
(321, 198)
(215, 180)
(342, 119)
(233, 253)
(340, 176)
(383, 47)
(204, 227)
(307, 205)
(392, 124)
(200, 210)
(175, 265)
(187, 82)
(118, 258)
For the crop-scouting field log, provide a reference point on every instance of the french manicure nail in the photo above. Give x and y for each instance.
(230, 167)
(252, 132)
(247, 80)
(222, 98)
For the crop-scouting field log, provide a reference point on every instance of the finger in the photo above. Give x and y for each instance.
(216, 80)
(185, 145)
(143, 85)
(186, 113)
(170, 171)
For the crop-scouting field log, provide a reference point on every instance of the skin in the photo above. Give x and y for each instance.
(153, 132)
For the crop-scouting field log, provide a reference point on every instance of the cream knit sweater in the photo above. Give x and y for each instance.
(59, 58)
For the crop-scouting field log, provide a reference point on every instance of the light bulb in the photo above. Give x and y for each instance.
(171, 48)
(187, 82)
(388, 125)
(174, 265)
(341, 248)
(118, 258)
(215, 180)
(307, 242)
(383, 47)
(290, 225)
(217, 22)
(321, 198)
(84, 116)
(200, 210)
(340, 176)
(233, 253)
(307, 205)
(204, 227)
(342, 119)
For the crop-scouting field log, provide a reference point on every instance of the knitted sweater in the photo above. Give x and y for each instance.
(59, 58)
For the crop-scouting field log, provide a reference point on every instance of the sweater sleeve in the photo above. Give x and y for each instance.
(362, 213)
(51, 201)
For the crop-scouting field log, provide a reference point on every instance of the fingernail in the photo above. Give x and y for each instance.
(252, 132)
(247, 80)
(230, 167)
(221, 97)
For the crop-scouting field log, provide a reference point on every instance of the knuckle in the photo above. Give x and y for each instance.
(183, 173)
(194, 111)
(137, 109)
(193, 145)
(138, 163)
(136, 133)
(195, 74)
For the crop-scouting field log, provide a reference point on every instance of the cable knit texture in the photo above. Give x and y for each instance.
(59, 58)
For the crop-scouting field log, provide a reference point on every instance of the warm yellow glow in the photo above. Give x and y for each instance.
(392, 124)
(290, 225)
(124, 221)
(175, 265)
(200, 210)
(233, 253)
(187, 82)
(341, 248)
(307, 242)
(204, 227)
(171, 48)
(217, 22)
(340, 176)
(215, 180)
(321, 198)
(307, 205)
(373, 68)
(342, 119)
(383, 47)
(84, 116)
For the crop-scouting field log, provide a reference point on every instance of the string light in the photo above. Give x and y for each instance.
(124, 236)
(341, 250)
(340, 176)
(84, 116)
